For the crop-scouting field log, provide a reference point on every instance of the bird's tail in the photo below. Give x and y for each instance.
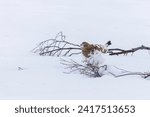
(108, 43)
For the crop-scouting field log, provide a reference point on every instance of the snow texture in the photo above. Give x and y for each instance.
(25, 23)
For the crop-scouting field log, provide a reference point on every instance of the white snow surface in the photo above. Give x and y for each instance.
(25, 23)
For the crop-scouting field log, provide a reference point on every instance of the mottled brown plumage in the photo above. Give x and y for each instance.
(88, 49)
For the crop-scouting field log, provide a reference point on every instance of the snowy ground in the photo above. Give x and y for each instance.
(25, 23)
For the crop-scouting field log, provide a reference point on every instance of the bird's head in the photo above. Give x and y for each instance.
(84, 44)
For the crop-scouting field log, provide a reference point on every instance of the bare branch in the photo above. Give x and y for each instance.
(129, 73)
(117, 51)
(57, 46)
(143, 75)
(89, 70)
(93, 71)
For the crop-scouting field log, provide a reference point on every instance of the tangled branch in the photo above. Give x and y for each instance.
(117, 51)
(57, 47)
(89, 70)
(94, 71)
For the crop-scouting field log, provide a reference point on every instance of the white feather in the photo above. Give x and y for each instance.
(96, 59)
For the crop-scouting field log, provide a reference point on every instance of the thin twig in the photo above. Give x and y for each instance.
(88, 70)
(57, 46)
(93, 71)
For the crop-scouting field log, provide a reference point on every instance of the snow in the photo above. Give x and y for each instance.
(25, 23)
